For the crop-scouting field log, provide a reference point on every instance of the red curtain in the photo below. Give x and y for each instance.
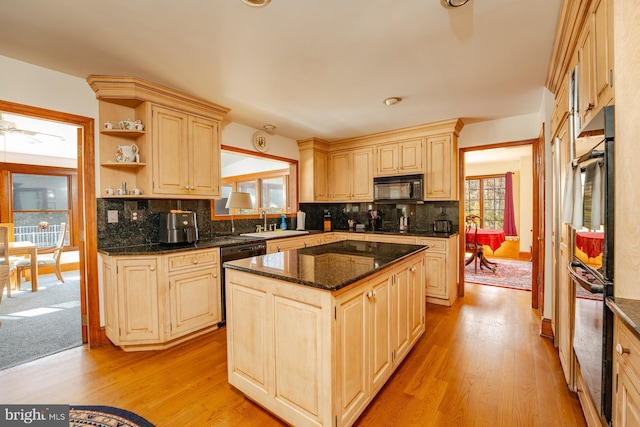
(509, 225)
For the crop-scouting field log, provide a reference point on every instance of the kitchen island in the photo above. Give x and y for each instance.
(314, 333)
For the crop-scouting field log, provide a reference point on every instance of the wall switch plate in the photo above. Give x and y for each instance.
(137, 215)
(112, 217)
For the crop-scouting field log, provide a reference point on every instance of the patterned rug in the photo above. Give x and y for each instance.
(104, 416)
(508, 274)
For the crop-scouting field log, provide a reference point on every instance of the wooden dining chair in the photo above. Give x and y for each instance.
(5, 262)
(471, 224)
(54, 259)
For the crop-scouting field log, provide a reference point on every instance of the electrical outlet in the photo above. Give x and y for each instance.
(112, 217)
(137, 215)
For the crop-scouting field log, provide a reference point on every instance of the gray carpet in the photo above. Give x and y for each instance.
(26, 335)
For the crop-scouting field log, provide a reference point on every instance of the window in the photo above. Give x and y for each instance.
(484, 196)
(271, 181)
(40, 204)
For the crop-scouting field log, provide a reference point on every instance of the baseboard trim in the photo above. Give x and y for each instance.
(545, 328)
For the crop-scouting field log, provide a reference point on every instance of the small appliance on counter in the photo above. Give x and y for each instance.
(300, 220)
(178, 226)
(442, 226)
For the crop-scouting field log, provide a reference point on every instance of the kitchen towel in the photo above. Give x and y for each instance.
(567, 203)
(300, 220)
(593, 195)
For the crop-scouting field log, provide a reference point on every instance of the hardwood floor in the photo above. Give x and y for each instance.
(480, 363)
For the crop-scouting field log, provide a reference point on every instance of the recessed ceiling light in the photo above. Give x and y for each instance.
(256, 3)
(392, 101)
(453, 3)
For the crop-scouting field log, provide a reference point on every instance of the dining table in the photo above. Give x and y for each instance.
(590, 242)
(29, 249)
(492, 237)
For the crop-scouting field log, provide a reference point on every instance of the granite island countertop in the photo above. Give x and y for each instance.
(329, 267)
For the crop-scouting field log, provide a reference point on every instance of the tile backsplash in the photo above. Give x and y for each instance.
(129, 233)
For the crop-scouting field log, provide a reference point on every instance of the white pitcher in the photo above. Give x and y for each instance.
(126, 153)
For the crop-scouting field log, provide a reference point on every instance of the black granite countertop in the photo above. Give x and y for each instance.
(166, 248)
(329, 267)
(628, 310)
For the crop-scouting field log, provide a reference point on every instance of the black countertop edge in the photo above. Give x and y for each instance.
(628, 310)
(416, 233)
(166, 248)
(325, 287)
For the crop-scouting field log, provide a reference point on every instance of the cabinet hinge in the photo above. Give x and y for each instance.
(616, 383)
(336, 421)
(119, 332)
(610, 78)
(335, 313)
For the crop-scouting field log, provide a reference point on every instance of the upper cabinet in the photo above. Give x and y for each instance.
(314, 170)
(402, 158)
(188, 154)
(441, 179)
(351, 175)
(343, 171)
(176, 153)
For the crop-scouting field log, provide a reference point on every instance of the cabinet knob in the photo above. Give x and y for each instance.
(413, 268)
(195, 261)
(622, 350)
(152, 268)
(369, 294)
(215, 275)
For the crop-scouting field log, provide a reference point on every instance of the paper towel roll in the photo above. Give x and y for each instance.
(300, 220)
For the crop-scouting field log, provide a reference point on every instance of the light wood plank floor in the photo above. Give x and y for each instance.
(481, 363)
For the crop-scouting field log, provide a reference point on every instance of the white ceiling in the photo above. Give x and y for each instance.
(312, 68)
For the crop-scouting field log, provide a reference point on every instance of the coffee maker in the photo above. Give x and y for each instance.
(178, 227)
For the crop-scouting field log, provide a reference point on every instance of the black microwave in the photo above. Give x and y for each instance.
(398, 189)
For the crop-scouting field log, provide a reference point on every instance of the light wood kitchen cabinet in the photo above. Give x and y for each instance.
(314, 170)
(626, 376)
(186, 157)
(347, 342)
(155, 302)
(441, 178)
(299, 242)
(377, 324)
(179, 147)
(132, 301)
(595, 62)
(441, 269)
(194, 291)
(351, 175)
(402, 158)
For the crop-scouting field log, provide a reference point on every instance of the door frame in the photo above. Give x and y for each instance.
(87, 238)
(461, 179)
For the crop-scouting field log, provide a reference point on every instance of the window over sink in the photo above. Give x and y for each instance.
(270, 180)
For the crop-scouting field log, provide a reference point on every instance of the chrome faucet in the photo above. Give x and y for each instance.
(263, 212)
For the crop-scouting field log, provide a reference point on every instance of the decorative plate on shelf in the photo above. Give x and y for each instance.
(261, 141)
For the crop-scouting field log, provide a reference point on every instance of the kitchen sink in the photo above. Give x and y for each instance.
(275, 234)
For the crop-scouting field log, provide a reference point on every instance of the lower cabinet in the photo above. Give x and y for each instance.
(288, 243)
(626, 376)
(441, 269)
(315, 357)
(154, 302)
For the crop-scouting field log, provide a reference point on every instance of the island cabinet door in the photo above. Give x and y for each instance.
(381, 362)
(408, 307)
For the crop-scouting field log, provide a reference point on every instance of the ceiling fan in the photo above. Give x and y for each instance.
(8, 127)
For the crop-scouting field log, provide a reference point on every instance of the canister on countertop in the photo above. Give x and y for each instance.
(327, 220)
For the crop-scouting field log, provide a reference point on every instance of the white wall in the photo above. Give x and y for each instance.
(237, 135)
(509, 129)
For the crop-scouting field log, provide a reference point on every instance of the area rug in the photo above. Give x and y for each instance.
(104, 416)
(508, 274)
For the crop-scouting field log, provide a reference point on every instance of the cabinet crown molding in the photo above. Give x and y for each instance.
(131, 91)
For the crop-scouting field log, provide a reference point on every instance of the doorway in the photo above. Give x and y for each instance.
(83, 213)
(483, 173)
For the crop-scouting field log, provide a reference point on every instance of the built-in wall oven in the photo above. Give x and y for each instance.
(593, 333)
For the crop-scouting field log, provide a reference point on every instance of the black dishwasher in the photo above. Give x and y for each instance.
(233, 252)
